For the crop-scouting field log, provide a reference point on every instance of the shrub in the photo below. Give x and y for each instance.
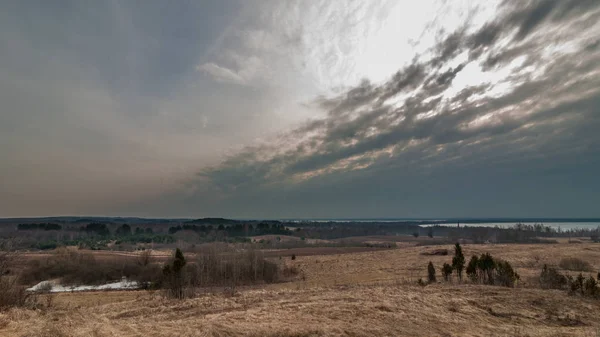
(293, 256)
(458, 261)
(416, 234)
(218, 266)
(550, 278)
(575, 264)
(590, 287)
(441, 252)
(77, 268)
(290, 271)
(486, 266)
(431, 273)
(446, 271)
(576, 285)
(486, 269)
(472, 269)
(12, 294)
(505, 274)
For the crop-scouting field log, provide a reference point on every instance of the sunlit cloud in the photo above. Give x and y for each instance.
(273, 108)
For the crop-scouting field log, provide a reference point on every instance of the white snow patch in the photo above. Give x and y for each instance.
(124, 284)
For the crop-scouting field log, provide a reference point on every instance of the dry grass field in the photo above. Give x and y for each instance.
(370, 293)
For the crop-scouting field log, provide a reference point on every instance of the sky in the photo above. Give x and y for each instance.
(300, 109)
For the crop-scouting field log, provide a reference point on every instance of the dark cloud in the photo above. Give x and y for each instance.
(409, 78)
(365, 144)
(449, 48)
(593, 46)
(531, 16)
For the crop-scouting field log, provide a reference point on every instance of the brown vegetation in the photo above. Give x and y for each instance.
(380, 310)
(371, 293)
(575, 264)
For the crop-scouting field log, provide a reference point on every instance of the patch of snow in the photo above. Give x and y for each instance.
(124, 284)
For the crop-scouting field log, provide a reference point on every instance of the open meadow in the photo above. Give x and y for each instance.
(368, 293)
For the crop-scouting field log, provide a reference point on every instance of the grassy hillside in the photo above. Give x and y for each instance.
(359, 294)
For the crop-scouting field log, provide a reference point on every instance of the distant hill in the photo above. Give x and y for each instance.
(214, 221)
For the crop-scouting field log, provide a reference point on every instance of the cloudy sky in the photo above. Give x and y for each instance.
(300, 109)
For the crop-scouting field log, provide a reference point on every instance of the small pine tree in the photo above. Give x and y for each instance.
(416, 234)
(577, 284)
(293, 256)
(430, 232)
(472, 269)
(174, 275)
(458, 261)
(505, 274)
(550, 278)
(431, 273)
(446, 271)
(179, 261)
(486, 266)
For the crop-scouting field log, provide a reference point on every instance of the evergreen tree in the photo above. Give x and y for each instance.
(472, 269)
(486, 266)
(458, 261)
(431, 273)
(446, 271)
(174, 278)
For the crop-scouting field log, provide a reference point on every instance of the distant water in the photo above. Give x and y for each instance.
(556, 225)
(502, 223)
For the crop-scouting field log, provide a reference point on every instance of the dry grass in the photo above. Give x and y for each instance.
(361, 294)
(408, 264)
(459, 310)
(575, 264)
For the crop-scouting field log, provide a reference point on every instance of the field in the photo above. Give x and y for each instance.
(368, 293)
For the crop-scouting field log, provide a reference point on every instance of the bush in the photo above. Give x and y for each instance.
(79, 268)
(288, 271)
(577, 284)
(485, 269)
(472, 269)
(550, 278)
(505, 274)
(590, 287)
(219, 266)
(12, 294)
(486, 266)
(431, 273)
(575, 264)
(441, 252)
(446, 271)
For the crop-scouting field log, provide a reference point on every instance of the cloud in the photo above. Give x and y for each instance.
(481, 127)
(317, 108)
(221, 74)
